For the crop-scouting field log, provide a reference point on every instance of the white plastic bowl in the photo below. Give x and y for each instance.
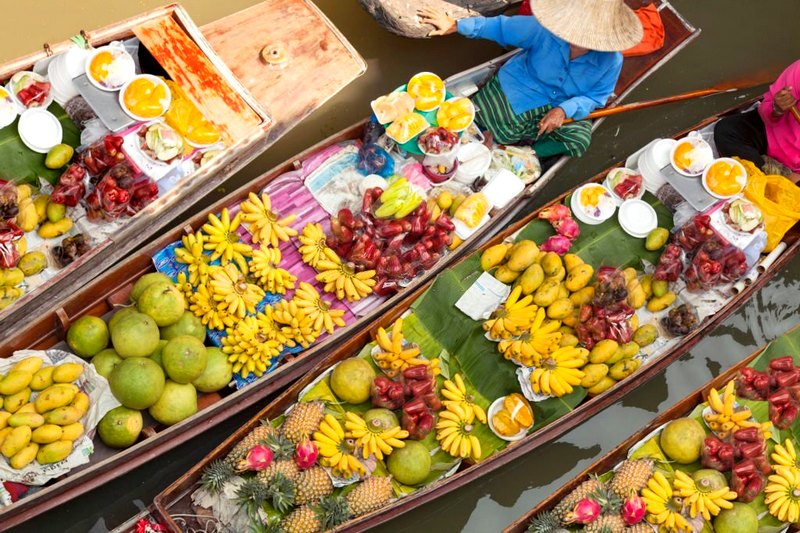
(127, 67)
(165, 102)
(628, 172)
(637, 218)
(703, 152)
(742, 180)
(8, 108)
(474, 160)
(39, 130)
(496, 406)
(607, 209)
(38, 77)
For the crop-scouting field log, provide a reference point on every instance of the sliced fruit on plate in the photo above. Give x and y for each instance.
(407, 127)
(187, 120)
(392, 106)
(427, 89)
(146, 97)
(456, 114)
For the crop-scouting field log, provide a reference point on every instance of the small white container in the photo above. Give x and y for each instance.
(39, 130)
(637, 218)
(8, 108)
(37, 77)
(123, 65)
(474, 160)
(627, 172)
(604, 210)
(496, 406)
(742, 180)
(702, 155)
(165, 102)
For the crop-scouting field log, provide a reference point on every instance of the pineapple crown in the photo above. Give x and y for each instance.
(272, 525)
(609, 502)
(281, 447)
(281, 491)
(215, 475)
(252, 494)
(544, 523)
(332, 511)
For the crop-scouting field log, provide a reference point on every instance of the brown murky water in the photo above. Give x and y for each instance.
(739, 40)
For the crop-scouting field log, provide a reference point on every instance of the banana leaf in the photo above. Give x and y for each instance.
(23, 165)
(606, 243)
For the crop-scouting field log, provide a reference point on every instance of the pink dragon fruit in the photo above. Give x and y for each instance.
(258, 458)
(568, 228)
(585, 511)
(633, 510)
(306, 454)
(557, 243)
(555, 213)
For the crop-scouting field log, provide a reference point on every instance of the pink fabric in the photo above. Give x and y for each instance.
(783, 132)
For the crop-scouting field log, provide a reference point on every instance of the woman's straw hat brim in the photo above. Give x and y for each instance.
(604, 25)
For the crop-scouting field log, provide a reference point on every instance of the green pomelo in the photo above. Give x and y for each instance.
(217, 374)
(708, 480)
(106, 361)
(120, 427)
(87, 336)
(187, 324)
(351, 380)
(682, 440)
(184, 359)
(119, 315)
(381, 419)
(137, 382)
(145, 281)
(178, 402)
(411, 464)
(135, 335)
(156, 355)
(741, 518)
(163, 302)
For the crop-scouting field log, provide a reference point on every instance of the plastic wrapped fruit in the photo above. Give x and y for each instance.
(187, 120)
(456, 114)
(146, 97)
(427, 89)
(392, 106)
(406, 127)
(437, 141)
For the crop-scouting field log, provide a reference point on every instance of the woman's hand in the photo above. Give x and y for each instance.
(783, 101)
(441, 21)
(551, 121)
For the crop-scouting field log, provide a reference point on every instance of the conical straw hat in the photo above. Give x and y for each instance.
(605, 25)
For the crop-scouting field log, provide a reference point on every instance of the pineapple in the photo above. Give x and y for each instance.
(254, 438)
(312, 484)
(302, 421)
(369, 495)
(282, 493)
(302, 520)
(216, 474)
(282, 462)
(641, 527)
(544, 523)
(332, 511)
(631, 477)
(252, 494)
(584, 490)
(609, 502)
(607, 523)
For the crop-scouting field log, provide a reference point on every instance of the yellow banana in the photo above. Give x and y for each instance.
(265, 225)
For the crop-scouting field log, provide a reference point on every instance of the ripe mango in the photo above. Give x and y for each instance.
(602, 386)
(32, 420)
(656, 239)
(505, 274)
(579, 277)
(603, 351)
(618, 356)
(58, 156)
(531, 279)
(551, 263)
(583, 355)
(46, 434)
(592, 374)
(4, 433)
(12, 277)
(522, 255)
(646, 282)
(573, 320)
(563, 292)
(560, 309)
(566, 330)
(40, 203)
(72, 431)
(629, 350)
(67, 372)
(63, 416)
(56, 212)
(582, 296)
(493, 256)
(571, 261)
(81, 402)
(568, 339)
(29, 364)
(4, 416)
(32, 263)
(54, 397)
(546, 294)
(43, 378)
(15, 381)
(51, 230)
(13, 402)
(636, 295)
(26, 217)
(17, 439)
(27, 408)
(624, 368)
(24, 457)
(634, 322)
(54, 452)
(24, 190)
(645, 335)
(660, 287)
(629, 273)
(659, 303)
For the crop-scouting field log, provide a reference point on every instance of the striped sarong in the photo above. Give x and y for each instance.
(495, 114)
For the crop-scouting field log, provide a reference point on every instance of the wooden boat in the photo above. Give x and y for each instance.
(683, 408)
(176, 498)
(104, 293)
(274, 104)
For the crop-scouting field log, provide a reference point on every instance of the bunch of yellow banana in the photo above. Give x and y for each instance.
(784, 455)
(556, 373)
(264, 266)
(342, 279)
(543, 338)
(313, 244)
(203, 305)
(264, 224)
(394, 359)
(184, 285)
(726, 419)
(513, 317)
(335, 451)
(223, 240)
(456, 393)
(308, 299)
(662, 509)
(454, 431)
(192, 255)
(707, 504)
(297, 326)
(250, 349)
(783, 494)
(229, 287)
(373, 440)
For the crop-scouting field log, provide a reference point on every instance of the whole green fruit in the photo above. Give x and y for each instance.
(87, 336)
(145, 281)
(137, 382)
(351, 380)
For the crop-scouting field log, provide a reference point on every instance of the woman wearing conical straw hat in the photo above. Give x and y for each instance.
(568, 66)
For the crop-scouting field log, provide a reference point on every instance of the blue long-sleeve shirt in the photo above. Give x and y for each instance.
(542, 72)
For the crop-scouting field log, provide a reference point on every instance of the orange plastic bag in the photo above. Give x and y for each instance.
(779, 201)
